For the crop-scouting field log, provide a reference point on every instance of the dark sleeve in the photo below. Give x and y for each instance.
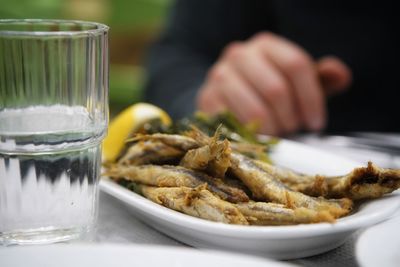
(196, 32)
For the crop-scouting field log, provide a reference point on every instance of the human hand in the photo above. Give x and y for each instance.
(273, 81)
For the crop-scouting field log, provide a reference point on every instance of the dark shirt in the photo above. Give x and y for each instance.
(361, 33)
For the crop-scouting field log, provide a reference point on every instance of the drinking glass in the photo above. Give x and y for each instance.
(53, 117)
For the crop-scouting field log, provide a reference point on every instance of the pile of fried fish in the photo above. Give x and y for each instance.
(225, 181)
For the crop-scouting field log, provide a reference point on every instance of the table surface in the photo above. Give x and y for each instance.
(117, 225)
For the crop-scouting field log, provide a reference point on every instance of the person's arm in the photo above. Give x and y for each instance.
(209, 59)
(195, 35)
(273, 81)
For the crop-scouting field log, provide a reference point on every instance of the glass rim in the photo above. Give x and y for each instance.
(99, 28)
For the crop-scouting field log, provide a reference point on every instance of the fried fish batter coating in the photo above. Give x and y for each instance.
(263, 213)
(365, 182)
(256, 151)
(361, 183)
(312, 185)
(222, 161)
(264, 186)
(150, 151)
(213, 158)
(174, 140)
(174, 176)
(197, 202)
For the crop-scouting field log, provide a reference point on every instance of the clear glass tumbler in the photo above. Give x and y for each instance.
(53, 117)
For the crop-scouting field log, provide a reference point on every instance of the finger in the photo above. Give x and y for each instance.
(298, 67)
(334, 74)
(269, 83)
(208, 100)
(240, 98)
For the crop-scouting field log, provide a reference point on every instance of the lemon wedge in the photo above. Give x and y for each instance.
(125, 123)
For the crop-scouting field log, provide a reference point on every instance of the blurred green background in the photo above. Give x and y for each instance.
(134, 24)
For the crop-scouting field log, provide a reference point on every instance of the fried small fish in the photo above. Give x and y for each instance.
(312, 185)
(213, 158)
(150, 151)
(197, 202)
(255, 151)
(263, 213)
(361, 183)
(265, 187)
(364, 182)
(175, 176)
(181, 142)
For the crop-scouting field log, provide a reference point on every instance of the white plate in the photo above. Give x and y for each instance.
(281, 242)
(123, 256)
(380, 245)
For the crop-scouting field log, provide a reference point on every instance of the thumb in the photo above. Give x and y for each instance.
(334, 74)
